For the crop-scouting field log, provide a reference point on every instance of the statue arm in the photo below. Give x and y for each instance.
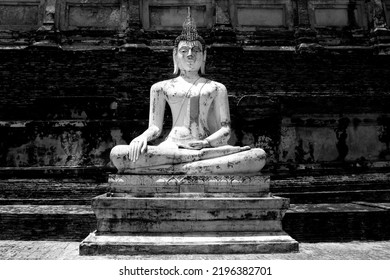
(222, 135)
(156, 116)
(156, 112)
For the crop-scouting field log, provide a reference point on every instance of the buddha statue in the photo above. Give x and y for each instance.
(197, 142)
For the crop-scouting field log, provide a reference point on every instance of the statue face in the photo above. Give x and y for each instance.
(189, 56)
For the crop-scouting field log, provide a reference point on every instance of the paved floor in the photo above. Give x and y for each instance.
(65, 250)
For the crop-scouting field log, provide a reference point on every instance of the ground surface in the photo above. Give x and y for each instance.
(65, 250)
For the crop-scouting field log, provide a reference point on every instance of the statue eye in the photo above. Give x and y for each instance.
(196, 49)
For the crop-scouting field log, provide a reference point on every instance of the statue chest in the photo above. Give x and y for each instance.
(191, 104)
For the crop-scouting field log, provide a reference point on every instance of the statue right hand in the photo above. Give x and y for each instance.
(137, 147)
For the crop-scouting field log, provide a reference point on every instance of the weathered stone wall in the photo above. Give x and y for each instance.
(299, 23)
(68, 108)
(305, 79)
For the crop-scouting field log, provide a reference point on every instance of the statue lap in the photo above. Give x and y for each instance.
(162, 160)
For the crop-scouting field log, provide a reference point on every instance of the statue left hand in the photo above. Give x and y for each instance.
(198, 144)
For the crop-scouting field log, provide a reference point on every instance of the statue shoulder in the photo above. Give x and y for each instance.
(218, 87)
(160, 86)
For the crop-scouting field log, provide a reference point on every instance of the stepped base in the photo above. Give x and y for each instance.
(189, 243)
(165, 214)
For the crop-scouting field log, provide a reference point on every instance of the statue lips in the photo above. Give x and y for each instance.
(191, 62)
(190, 66)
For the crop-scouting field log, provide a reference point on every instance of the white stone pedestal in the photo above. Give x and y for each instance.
(180, 214)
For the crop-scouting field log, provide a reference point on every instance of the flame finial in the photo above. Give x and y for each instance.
(189, 32)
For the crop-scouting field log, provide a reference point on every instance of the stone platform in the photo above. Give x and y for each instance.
(189, 243)
(188, 214)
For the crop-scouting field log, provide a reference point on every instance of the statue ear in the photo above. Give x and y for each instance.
(175, 66)
(202, 68)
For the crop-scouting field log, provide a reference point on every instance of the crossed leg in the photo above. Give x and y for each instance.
(172, 160)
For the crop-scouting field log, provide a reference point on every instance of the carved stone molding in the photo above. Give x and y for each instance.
(187, 179)
(160, 185)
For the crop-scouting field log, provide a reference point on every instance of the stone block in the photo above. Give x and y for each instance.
(169, 15)
(124, 213)
(339, 13)
(126, 226)
(95, 15)
(252, 15)
(267, 16)
(331, 17)
(209, 243)
(126, 201)
(186, 215)
(21, 14)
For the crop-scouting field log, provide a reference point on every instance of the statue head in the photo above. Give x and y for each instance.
(189, 52)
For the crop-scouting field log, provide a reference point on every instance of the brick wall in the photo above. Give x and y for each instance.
(69, 107)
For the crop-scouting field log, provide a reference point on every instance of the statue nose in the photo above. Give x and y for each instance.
(189, 53)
